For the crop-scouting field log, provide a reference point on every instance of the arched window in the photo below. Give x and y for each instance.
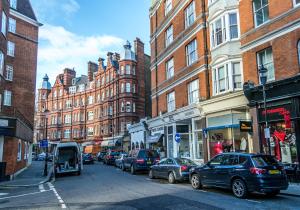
(298, 49)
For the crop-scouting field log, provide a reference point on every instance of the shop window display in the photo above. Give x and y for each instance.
(184, 146)
(227, 140)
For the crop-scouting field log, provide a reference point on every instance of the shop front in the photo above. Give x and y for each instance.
(282, 116)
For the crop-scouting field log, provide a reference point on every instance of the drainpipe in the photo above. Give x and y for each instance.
(206, 52)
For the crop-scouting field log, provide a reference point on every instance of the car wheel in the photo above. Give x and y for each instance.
(151, 174)
(239, 188)
(273, 193)
(195, 181)
(132, 170)
(171, 178)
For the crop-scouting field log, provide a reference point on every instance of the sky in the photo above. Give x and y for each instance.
(77, 31)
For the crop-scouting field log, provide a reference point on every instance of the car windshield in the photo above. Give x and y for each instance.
(184, 161)
(261, 161)
(148, 154)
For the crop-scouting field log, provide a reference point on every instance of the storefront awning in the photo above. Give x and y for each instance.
(110, 143)
(154, 139)
(222, 127)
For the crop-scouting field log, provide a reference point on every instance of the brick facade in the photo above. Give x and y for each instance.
(112, 97)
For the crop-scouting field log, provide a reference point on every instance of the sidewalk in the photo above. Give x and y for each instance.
(293, 190)
(32, 176)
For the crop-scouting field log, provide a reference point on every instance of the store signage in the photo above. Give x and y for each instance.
(284, 112)
(246, 126)
(44, 143)
(177, 137)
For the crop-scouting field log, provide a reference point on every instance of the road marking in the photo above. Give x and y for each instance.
(16, 196)
(60, 200)
(41, 188)
(1, 194)
(253, 201)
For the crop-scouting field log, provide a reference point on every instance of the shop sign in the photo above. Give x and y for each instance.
(177, 137)
(277, 113)
(246, 126)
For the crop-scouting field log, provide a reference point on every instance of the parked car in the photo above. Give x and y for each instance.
(242, 173)
(119, 160)
(139, 160)
(87, 158)
(41, 156)
(173, 169)
(109, 158)
(67, 158)
(100, 156)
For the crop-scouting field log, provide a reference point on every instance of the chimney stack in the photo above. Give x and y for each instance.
(69, 74)
(92, 68)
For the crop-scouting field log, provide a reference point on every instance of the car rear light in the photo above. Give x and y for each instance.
(110, 156)
(157, 160)
(257, 171)
(183, 168)
(140, 160)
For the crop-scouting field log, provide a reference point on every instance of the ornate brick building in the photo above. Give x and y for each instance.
(18, 63)
(96, 109)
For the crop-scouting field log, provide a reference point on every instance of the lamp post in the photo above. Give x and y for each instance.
(263, 80)
(46, 158)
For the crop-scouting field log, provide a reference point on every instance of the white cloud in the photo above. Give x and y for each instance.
(60, 48)
(52, 9)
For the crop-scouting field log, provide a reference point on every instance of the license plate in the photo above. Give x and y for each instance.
(149, 162)
(274, 172)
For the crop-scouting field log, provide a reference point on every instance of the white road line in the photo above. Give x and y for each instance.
(41, 188)
(1, 194)
(60, 200)
(253, 201)
(16, 196)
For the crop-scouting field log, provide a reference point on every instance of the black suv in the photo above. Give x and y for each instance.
(242, 173)
(139, 160)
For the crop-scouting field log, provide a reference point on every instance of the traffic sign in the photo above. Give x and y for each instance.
(177, 137)
(44, 143)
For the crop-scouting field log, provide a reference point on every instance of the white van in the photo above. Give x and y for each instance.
(67, 158)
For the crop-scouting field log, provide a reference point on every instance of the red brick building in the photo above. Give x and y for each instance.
(270, 34)
(96, 109)
(19, 44)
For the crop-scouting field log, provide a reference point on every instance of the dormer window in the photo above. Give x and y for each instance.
(73, 81)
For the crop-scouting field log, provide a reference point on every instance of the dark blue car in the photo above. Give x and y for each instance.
(242, 173)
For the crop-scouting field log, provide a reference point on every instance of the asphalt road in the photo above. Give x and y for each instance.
(106, 187)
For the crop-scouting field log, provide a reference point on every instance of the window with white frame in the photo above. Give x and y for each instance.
(19, 156)
(128, 106)
(122, 107)
(111, 92)
(91, 100)
(61, 92)
(169, 35)
(10, 48)
(107, 78)
(193, 92)
(12, 25)
(122, 70)
(168, 6)
(9, 72)
(191, 52)
(122, 88)
(227, 77)
(134, 88)
(67, 119)
(265, 57)
(103, 96)
(72, 89)
(133, 107)
(107, 93)
(13, 4)
(296, 2)
(128, 87)
(110, 110)
(67, 133)
(4, 21)
(81, 87)
(171, 102)
(127, 69)
(225, 28)
(90, 115)
(190, 14)
(1, 62)
(170, 68)
(90, 131)
(7, 98)
(133, 70)
(261, 11)
(68, 104)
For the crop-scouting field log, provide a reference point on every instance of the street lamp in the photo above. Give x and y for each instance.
(263, 80)
(46, 112)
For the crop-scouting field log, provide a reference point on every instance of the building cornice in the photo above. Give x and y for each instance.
(25, 18)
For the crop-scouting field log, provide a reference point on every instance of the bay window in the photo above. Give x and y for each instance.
(227, 77)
